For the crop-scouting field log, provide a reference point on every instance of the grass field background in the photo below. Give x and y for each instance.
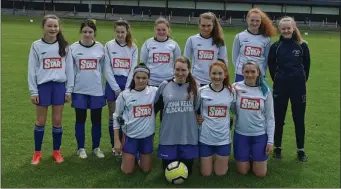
(18, 117)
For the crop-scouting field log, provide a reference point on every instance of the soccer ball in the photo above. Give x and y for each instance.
(176, 172)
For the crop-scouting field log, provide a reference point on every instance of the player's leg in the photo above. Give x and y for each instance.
(222, 159)
(79, 102)
(44, 92)
(281, 100)
(206, 159)
(298, 107)
(168, 154)
(146, 150)
(242, 152)
(96, 104)
(259, 156)
(110, 96)
(58, 99)
(130, 147)
(187, 154)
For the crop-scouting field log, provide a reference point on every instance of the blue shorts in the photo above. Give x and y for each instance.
(247, 147)
(142, 145)
(109, 93)
(208, 150)
(51, 93)
(171, 152)
(83, 101)
(239, 78)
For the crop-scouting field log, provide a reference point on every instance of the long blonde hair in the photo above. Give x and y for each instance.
(296, 33)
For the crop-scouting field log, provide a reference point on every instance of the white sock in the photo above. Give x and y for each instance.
(302, 149)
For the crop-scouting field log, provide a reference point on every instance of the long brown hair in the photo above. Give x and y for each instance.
(60, 38)
(217, 32)
(192, 87)
(129, 37)
(296, 33)
(266, 27)
(223, 66)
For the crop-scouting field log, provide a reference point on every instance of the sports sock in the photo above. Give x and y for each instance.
(96, 135)
(302, 149)
(38, 137)
(57, 133)
(111, 132)
(80, 135)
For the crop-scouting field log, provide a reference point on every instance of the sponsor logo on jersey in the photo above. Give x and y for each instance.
(142, 111)
(205, 54)
(217, 111)
(253, 51)
(52, 63)
(123, 63)
(161, 57)
(250, 103)
(88, 64)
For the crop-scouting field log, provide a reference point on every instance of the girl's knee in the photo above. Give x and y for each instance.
(57, 120)
(126, 171)
(206, 173)
(220, 172)
(146, 169)
(259, 173)
(243, 171)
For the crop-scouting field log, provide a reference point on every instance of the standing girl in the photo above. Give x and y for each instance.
(206, 47)
(121, 55)
(289, 65)
(159, 53)
(136, 104)
(214, 135)
(88, 93)
(255, 122)
(253, 44)
(178, 99)
(50, 81)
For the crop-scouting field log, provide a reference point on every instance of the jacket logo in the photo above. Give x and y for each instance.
(296, 52)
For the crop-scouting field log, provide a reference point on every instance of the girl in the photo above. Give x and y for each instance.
(289, 65)
(121, 56)
(253, 44)
(88, 93)
(178, 99)
(159, 53)
(206, 47)
(254, 129)
(136, 106)
(50, 81)
(214, 138)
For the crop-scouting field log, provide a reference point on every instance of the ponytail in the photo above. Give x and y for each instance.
(296, 34)
(192, 87)
(129, 36)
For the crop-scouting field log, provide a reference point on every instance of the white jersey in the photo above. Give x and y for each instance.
(254, 111)
(45, 65)
(137, 108)
(202, 54)
(120, 61)
(250, 47)
(88, 66)
(159, 58)
(215, 110)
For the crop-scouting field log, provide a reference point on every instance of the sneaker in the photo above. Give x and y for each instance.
(277, 153)
(98, 153)
(301, 156)
(36, 158)
(57, 156)
(82, 153)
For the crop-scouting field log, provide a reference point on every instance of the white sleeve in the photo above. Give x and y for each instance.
(70, 75)
(222, 54)
(33, 62)
(118, 110)
(270, 118)
(144, 53)
(188, 49)
(177, 51)
(109, 74)
(133, 65)
(235, 50)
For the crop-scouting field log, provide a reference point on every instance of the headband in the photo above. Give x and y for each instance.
(141, 70)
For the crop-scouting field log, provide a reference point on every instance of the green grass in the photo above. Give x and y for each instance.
(18, 117)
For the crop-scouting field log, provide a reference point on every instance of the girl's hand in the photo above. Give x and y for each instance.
(200, 119)
(269, 149)
(67, 98)
(35, 100)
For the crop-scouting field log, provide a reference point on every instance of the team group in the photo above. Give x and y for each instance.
(187, 91)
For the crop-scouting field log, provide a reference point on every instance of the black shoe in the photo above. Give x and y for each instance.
(277, 153)
(301, 156)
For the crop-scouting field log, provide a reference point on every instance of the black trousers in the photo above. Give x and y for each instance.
(293, 89)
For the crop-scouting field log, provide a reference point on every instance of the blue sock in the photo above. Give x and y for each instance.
(96, 135)
(80, 135)
(57, 133)
(111, 132)
(38, 137)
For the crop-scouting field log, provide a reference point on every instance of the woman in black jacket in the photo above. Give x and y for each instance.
(289, 64)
